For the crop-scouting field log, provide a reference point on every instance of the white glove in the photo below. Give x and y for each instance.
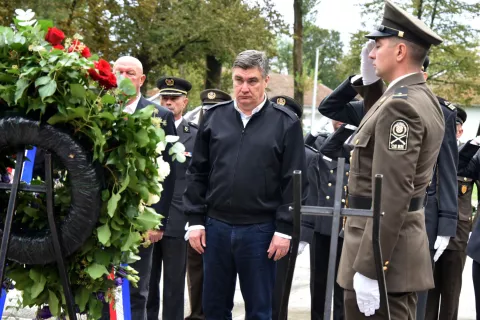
(476, 141)
(368, 294)
(301, 247)
(366, 66)
(440, 245)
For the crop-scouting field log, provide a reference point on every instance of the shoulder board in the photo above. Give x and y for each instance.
(290, 113)
(447, 104)
(400, 93)
(311, 148)
(206, 108)
(193, 124)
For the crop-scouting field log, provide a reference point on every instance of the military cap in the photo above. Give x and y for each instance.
(289, 103)
(461, 116)
(214, 96)
(426, 63)
(399, 23)
(172, 86)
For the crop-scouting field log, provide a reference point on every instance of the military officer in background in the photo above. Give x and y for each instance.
(441, 208)
(398, 138)
(449, 267)
(209, 97)
(331, 149)
(171, 249)
(313, 174)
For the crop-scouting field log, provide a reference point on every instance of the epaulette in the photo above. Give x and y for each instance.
(193, 124)
(446, 103)
(400, 93)
(290, 113)
(311, 148)
(210, 107)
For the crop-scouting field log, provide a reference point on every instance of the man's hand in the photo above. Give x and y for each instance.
(366, 65)
(368, 294)
(197, 240)
(440, 245)
(155, 235)
(278, 247)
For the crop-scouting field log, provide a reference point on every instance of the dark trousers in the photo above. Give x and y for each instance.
(448, 284)
(169, 253)
(476, 285)
(242, 250)
(402, 307)
(139, 295)
(282, 266)
(195, 283)
(423, 295)
(319, 253)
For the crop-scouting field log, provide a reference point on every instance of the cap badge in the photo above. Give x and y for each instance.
(464, 189)
(281, 101)
(169, 82)
(211, 95)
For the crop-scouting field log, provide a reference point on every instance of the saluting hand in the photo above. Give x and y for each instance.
(278, 247)
(197, 240)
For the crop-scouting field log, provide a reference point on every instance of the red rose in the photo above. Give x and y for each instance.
(54, 36)
(59, 47)
(112, 80)
(104, 76)
(86, 52)
(104, 67)
(77, 46)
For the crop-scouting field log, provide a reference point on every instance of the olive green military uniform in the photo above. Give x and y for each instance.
(398, 138)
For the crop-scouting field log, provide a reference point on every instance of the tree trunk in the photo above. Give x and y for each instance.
(434, 13)
(298, 51)
(419, 9)
(213, 76)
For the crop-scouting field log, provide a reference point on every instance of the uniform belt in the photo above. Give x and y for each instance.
(356, 202)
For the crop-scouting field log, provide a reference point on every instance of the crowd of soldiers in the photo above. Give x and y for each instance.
(227, 207)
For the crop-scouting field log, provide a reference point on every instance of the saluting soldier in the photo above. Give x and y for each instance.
(171, 249)
(449, 267)
(209, 97)
(398, 138)
(441, 208)
(313, 174)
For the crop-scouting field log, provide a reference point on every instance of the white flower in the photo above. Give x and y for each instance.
(160, 147)
(163, 169)
(177, 148)
(171, 139)
(181, 157)
(152, 199)
(141, 207)
(25, 18)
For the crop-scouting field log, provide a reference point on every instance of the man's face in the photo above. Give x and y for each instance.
(336, 124)
(131, 71)
(176, 104)
(249, 87)
(459, 130)
(383, 55)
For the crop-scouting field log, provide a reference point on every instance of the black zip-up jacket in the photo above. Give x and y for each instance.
(245, 175)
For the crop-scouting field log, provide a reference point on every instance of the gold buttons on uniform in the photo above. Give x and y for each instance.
(331, 171)
(329, 184)
(357, 141)
(346, 173)
(385, 268)
(387, 262)
(328, 197)
(465, 179)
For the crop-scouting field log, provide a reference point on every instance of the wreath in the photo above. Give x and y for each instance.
(56, 95)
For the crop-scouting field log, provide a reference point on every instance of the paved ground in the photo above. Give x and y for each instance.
(299, 308)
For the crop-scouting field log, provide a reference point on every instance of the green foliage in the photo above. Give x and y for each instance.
(54, 86)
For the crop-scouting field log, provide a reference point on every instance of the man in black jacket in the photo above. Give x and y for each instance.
(239, 189)
(131, 68)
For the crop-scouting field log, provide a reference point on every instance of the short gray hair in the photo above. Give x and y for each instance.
(252, 59)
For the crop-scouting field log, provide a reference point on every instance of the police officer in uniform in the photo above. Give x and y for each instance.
(171, 250)
(209, 97)
(398, 138)
(313, 174)
(441, 208)
(449, 267)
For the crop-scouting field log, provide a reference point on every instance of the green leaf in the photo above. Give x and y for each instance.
(42, 81)
(144, 113)
(81, 298)
(127, 87)
(56, 119)
(112, 204)
(132, 238)
(107, 115)
(132, 211)
(148, 219)
(79, 112)
(96, 270)
(105, 195)
(45, 24)
(141, 137)
(53, 303)
(21, 84)
(124, 184)
(104, 234)
(48, 89)
(39, 281)
(141, 162)
(77, 90)
(108, 99)
(102, 257)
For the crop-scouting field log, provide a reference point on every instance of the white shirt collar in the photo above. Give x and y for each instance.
(256, 110)
(177, 122)
(398, 79)
(132, 106)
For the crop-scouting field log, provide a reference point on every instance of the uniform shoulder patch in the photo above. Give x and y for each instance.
(451, 106)
(400, 93)
(398, 139)
(290, 113)
(311, 148)
(193, 124)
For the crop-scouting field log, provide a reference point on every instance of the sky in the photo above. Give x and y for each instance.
(340, 15)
